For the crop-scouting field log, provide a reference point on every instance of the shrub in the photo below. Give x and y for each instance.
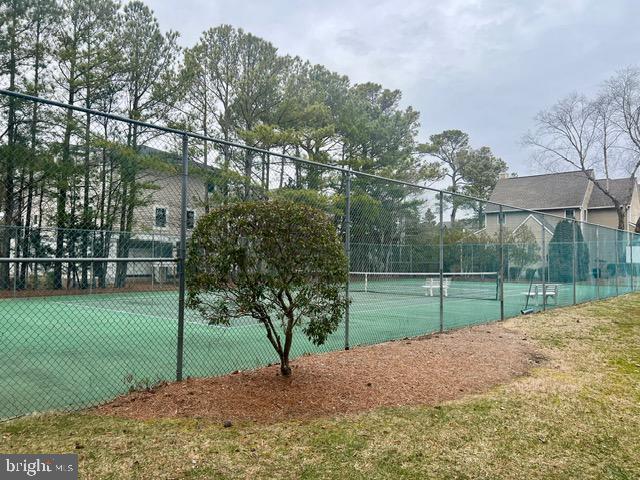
(561, 254)
(279, 262)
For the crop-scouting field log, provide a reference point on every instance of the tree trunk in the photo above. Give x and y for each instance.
(248, 169)
(128, 204)
(284, 150)
(123, 239)
(84, 248)
(5, 241)
(282, 350)
(61, 214)
(72, 236)
(621, 217)
(207, 182)
(33, 131)
(285, 369)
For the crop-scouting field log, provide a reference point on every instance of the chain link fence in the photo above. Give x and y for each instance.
(92, 249)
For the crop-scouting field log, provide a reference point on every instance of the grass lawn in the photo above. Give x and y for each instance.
(575, 416)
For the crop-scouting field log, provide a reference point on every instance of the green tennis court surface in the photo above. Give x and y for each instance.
(91, 348)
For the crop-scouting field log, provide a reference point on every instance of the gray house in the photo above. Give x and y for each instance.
(564, 195)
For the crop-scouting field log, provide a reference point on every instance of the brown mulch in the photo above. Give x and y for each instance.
(427, 370)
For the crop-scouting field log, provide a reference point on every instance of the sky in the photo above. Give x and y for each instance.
(482, 66)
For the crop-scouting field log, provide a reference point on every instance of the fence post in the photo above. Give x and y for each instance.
(574, 259)
(153, 254)
(545, 266)
(632, 270)
(347, 247)
(616, 245)
(441, 262)
(182, 256)
(501, 270)
(93, 254)
(597, 253)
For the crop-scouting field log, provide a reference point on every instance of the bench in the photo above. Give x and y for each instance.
(536, 291)
(434, 284)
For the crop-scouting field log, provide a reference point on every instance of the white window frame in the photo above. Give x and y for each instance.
(166, 217)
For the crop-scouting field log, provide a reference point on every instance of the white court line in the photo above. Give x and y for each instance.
(128, 312)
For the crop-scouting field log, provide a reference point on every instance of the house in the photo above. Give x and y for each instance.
(155, 231)
(561, 195)
(157, 220)
(558, 196)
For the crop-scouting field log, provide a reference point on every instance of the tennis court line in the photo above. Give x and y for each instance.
(146, 315)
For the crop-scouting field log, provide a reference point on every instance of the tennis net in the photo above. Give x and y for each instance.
(473, 285)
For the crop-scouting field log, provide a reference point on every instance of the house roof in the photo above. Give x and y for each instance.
(540, 192)
(620, 188)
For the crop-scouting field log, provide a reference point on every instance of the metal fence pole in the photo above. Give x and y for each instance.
(93, 254)
(182, 256)
(616, 246)
(501, 270)
(347, 247)
(441, 262)
(574, 260)
(153, 254)
(16, 235)
(598, 273)
(632, 270)
(545, 266)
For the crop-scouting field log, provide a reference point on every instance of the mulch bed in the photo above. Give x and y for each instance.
(423, 371)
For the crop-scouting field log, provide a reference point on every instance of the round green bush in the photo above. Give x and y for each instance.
(279, 262)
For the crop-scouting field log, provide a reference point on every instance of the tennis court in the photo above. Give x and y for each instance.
(76, 350)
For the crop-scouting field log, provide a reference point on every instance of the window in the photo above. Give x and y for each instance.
(161, 217)
(211, 188)
(569, 213)
(191, 219)
(501, 218)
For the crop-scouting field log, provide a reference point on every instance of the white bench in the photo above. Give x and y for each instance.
(434, 284)
(536, 291)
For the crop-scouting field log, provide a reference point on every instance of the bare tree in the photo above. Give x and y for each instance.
(624, 90)
(574, 132)
(609, 133)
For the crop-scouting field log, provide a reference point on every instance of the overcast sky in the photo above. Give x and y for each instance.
(482, 66)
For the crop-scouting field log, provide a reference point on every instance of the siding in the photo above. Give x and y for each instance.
(607, 217)
(168, 195)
